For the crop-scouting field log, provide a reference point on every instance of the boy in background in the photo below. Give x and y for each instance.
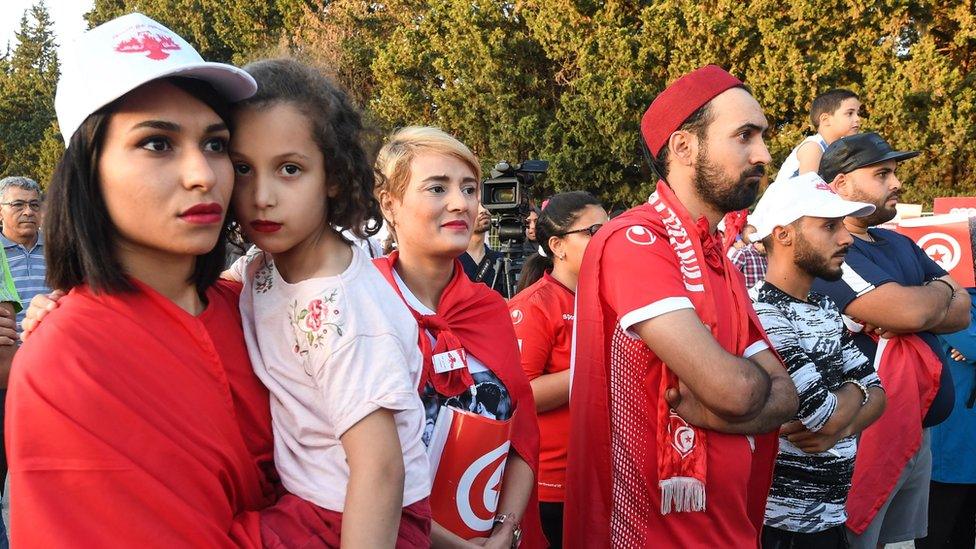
(834, 114)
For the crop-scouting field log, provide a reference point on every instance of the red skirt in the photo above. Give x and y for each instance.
(295, 523)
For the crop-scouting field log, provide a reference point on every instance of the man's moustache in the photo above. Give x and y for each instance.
(758, 171)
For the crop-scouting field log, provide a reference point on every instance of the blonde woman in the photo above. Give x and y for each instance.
(429, 193)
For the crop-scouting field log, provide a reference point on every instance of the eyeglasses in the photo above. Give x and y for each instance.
(21, 204)
(591, 230)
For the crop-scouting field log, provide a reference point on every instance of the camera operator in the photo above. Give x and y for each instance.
(479, 260)
(531, 243)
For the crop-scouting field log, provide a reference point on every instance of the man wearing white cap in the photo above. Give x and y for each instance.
(801, 224)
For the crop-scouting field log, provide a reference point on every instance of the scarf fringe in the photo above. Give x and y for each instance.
(682, 494)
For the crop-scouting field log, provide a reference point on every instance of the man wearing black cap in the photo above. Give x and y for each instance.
(675, 391)
(893, 289)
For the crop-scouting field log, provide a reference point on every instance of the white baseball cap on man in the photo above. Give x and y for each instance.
(802, 195)
(117, 57)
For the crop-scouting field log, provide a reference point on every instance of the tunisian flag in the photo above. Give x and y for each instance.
(468, 453)
(945, 238)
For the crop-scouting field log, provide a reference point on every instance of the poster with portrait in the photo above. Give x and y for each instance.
(946, 239)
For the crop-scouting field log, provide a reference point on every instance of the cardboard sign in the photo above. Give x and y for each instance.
(944, 238)
(965, 205)
(468, 453)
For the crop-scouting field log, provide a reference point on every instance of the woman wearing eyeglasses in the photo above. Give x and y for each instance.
(542, 313)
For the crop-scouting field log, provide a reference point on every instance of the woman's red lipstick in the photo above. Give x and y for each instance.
(204, 214)
(262, 226)
(458, 224)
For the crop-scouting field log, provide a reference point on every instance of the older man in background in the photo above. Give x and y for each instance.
(23, 243)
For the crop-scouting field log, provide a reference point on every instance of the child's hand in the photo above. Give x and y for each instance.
(957, 356)
(40, 306)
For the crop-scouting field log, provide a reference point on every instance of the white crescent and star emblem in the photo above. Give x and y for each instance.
(640, 236)
(942, 248)
(477, 492)
(684, 440)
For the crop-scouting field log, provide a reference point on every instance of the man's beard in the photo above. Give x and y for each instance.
(882, 213)
(481, 227)
(721, 192)
(813, 263)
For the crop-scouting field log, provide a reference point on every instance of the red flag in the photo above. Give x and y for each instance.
(944, 238)
(468, 453)
(965, 205)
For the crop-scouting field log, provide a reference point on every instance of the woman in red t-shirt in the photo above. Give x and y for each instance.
(542, 313)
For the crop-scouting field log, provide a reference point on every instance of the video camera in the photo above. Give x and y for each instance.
(506, 196)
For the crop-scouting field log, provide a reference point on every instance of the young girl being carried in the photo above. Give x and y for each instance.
(326, 333)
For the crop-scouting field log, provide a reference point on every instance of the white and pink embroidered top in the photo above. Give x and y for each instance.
(331, 351)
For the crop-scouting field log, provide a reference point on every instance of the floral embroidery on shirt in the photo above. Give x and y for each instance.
(314, 321)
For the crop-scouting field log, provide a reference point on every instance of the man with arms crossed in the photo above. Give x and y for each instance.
(801, 224)
(893, 288)
(672, 369)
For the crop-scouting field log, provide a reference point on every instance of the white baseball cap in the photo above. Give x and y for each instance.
(117, 57)
(803, 195)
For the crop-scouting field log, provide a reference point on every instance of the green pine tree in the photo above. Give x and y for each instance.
(28, 79)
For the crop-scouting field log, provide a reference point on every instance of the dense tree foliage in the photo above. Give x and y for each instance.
(567, 80)
(29, 141)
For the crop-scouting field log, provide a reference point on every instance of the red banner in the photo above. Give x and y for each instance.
(944, 238)
(965, 205)
(467, 453)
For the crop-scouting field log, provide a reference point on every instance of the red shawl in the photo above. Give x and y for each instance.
(590, 469)
(909, 373)
(479, 318)
(132, 423)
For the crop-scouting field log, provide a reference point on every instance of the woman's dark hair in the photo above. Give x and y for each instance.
(80, 237)
(338, 130)
(561, 211)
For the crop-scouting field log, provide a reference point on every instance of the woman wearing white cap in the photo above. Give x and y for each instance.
(133, 416)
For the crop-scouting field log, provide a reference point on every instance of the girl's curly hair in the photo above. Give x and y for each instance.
(347, 146)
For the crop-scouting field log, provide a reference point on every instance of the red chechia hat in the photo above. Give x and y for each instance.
(678, 101)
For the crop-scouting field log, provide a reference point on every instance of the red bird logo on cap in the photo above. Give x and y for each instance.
(155, 44)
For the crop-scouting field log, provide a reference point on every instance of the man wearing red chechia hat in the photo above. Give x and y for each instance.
(676, 395)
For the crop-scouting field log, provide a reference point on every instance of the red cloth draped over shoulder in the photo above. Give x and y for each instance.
(132, 423)
(479, 318)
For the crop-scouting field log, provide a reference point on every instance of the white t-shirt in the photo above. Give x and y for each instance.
(331, 351)
(791, 166)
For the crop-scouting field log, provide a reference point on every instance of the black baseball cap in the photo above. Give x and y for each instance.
(858, 151)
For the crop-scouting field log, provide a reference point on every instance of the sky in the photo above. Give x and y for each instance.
(68, 17)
